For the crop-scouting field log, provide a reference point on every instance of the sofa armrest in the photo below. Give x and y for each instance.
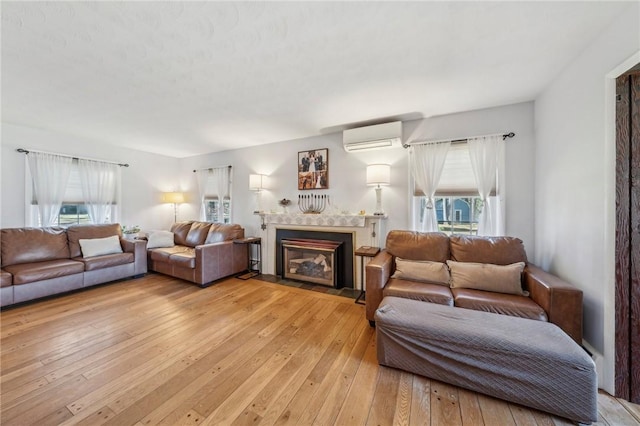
(379, 271)
(219, 260)
(139, 250)
(561, 301)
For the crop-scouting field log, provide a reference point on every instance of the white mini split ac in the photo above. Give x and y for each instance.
(387, 135)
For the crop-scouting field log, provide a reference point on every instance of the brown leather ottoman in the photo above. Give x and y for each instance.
(533, 363)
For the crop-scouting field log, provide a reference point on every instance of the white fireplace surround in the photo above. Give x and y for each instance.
(367, 231)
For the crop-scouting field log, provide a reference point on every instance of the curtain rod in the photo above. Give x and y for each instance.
(463, 140)
(210, 168)
(25, 151)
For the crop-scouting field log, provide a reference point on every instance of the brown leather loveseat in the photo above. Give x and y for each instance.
(201, 252)
(38, 262)
(543, 296)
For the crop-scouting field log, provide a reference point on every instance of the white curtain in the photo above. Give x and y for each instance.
(202, 176)
(49, 175)
(220, 177)
(99, 182)
(213, 184)
(486, 153)
(427, 162)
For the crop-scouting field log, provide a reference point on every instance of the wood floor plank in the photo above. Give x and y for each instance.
(159, 351)
(608, 408)
(237, 366)
(403, 401)
(494, 411)
(633, 409)
(469, 408)
(420, 401)
(339, 377)
(297, 369)
(173, 367)
(383, 406)
(357, 404)
(228, 410)
(445, 405)
(188, 396)
(522, 416)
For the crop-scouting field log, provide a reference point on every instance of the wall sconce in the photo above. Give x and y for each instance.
(257, 184)
(175, 198)
(378, 174)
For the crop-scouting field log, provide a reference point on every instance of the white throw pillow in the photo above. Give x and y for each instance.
(157, 239)
(99, 246)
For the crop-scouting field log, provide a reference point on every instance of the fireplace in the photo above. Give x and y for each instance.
(343, 262)
(314, 261)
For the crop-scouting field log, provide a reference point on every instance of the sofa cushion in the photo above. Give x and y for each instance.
(28, 245)
(495, 250)
(425, 292)
(157, 239)
(105, 261)
(498, 303)
(219, 232)
(422, 270)
(29, 272)
(180, 231)
(163, 254)
(100, 246)
(412, 245)
(197, 234)
(184, 259)
(6, 279)
(488, 277)
(87, 232)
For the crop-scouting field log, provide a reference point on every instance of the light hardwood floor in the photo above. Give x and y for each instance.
(159, 351)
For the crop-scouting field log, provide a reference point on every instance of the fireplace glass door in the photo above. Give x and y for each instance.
(311, 261)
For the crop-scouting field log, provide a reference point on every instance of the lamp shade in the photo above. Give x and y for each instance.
(173, 197)
(256, 182)
(378, 174)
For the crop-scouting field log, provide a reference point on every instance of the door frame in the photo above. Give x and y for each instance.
(607, 368)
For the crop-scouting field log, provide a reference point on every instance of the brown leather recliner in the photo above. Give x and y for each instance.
(550, 298)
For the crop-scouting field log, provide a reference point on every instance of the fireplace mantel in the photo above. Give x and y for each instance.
(331, 220)
(366, 229)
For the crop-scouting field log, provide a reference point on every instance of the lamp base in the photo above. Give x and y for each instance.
(378, 211)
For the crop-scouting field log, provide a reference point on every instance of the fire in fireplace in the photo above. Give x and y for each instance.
(310, 260)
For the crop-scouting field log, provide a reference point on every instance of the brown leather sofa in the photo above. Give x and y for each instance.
(39, 262)
(550, 298)
(203, 252)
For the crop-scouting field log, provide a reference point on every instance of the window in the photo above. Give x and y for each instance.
(216, 214)
(457, 202)
(214, 187)
(74, 207)
(456, 215)
(71, 214)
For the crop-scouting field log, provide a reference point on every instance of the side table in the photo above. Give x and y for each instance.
(362, 252)
(254, 264)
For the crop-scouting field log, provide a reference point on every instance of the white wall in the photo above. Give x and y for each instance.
(347, 186)
(573, 179)
(142, 182)
(149, 174)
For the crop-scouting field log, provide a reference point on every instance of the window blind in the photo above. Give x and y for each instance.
(457, 177)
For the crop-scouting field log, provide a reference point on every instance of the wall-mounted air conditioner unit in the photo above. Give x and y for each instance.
(387, 135)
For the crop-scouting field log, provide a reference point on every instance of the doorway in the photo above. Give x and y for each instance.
(627, 244)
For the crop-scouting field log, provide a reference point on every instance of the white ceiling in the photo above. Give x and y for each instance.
(187, 78)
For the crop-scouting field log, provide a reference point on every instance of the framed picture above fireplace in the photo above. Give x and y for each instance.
(313, 169)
